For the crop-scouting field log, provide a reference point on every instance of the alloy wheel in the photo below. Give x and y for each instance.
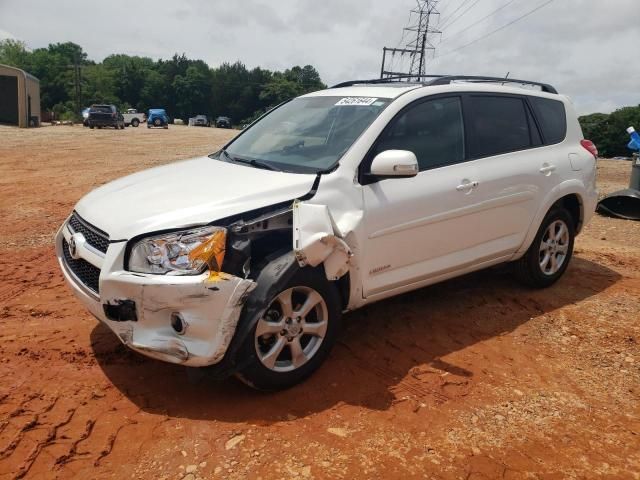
(292, 329)
(554, 247)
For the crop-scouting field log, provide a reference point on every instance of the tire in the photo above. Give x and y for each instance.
(91, 127)
(135, 122)
(549, 255)
(157, 122)
(148, 126)
(272, 357)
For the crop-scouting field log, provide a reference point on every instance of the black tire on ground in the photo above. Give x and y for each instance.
(528, 269)
(91, 127)
(135, 122)
(256, 374)
(148, 126)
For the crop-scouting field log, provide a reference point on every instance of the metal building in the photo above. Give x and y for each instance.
(19, 97)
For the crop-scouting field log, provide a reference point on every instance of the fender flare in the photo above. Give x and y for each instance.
(568, 187)
(271, 278)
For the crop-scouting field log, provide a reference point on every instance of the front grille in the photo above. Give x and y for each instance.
(94, 236)
(85, 272)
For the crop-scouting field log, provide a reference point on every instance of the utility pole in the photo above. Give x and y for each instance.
(77, 83)
(425, 15)
(76, 77)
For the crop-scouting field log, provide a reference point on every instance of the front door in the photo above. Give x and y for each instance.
(426, 225)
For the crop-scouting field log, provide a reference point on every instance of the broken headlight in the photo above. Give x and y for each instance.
(188, 252)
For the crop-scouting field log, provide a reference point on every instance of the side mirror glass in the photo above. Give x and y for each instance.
(395, 163)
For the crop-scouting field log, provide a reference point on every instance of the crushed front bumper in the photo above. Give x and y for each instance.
(208, 307)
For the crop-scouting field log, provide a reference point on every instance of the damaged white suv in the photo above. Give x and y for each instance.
(247, 258)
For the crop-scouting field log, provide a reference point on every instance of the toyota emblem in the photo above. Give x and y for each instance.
(74, 241)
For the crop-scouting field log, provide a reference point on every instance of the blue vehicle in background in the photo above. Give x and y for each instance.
(157, 117)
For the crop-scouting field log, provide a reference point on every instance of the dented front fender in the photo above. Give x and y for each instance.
(317, 240)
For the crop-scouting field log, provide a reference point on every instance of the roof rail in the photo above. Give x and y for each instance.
(448, 79)
(394, 79)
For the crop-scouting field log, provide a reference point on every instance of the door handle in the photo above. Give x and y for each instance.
(467, 185)
(547, 169)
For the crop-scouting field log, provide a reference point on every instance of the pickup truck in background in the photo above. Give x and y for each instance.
(133, 117)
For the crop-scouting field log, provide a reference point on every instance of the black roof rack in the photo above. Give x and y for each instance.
(446, 80)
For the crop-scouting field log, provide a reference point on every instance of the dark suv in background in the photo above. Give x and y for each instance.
(223, 122)
(105, 116)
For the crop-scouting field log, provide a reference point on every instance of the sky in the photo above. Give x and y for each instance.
(585, 48)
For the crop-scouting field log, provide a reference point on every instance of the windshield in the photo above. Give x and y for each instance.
(306, 135)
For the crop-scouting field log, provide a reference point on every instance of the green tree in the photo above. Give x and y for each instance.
(14, 53)
(183, 86)
(608, 132)
(193, 91)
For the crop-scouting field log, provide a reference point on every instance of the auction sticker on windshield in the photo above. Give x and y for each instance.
(356, 101)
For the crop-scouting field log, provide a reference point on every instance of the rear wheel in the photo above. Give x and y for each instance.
(550, 253)
(295, 334)
(135, 122)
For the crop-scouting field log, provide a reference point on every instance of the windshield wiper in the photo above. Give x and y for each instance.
(250, 161)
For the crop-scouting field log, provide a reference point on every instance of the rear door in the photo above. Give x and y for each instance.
(514, 173)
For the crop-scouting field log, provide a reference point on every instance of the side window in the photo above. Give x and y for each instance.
(552, 117)
(433, 130)
(498, 125)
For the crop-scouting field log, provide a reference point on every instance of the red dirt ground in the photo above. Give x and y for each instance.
(476, 378)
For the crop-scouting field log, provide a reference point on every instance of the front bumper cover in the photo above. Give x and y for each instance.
(210, 307)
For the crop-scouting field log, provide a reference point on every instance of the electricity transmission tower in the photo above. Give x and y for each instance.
(425, 15)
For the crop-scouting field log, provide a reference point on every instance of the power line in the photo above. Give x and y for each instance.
(448, 24)
(468, 27)
(447, 7)
(531, 12)
(448, 17)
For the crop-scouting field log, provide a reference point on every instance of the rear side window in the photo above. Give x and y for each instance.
(552, 117)
(498, 125)
(433, 130)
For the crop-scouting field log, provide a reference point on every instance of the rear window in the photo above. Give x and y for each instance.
(101, 108)
(552, 118)
(498, 125)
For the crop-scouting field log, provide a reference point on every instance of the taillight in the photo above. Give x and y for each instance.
(590, 147)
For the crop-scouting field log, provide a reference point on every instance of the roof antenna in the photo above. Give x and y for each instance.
(505, 77)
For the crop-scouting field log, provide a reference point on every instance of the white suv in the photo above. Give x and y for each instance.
(247, 258)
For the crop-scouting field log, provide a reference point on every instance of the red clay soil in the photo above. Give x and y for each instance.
(475, 378)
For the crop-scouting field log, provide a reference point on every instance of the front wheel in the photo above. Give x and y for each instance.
(295, 334)
(550, 253)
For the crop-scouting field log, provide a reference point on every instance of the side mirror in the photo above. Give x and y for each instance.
(395, 163)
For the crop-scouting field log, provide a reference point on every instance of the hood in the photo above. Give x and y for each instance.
(184, 194)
